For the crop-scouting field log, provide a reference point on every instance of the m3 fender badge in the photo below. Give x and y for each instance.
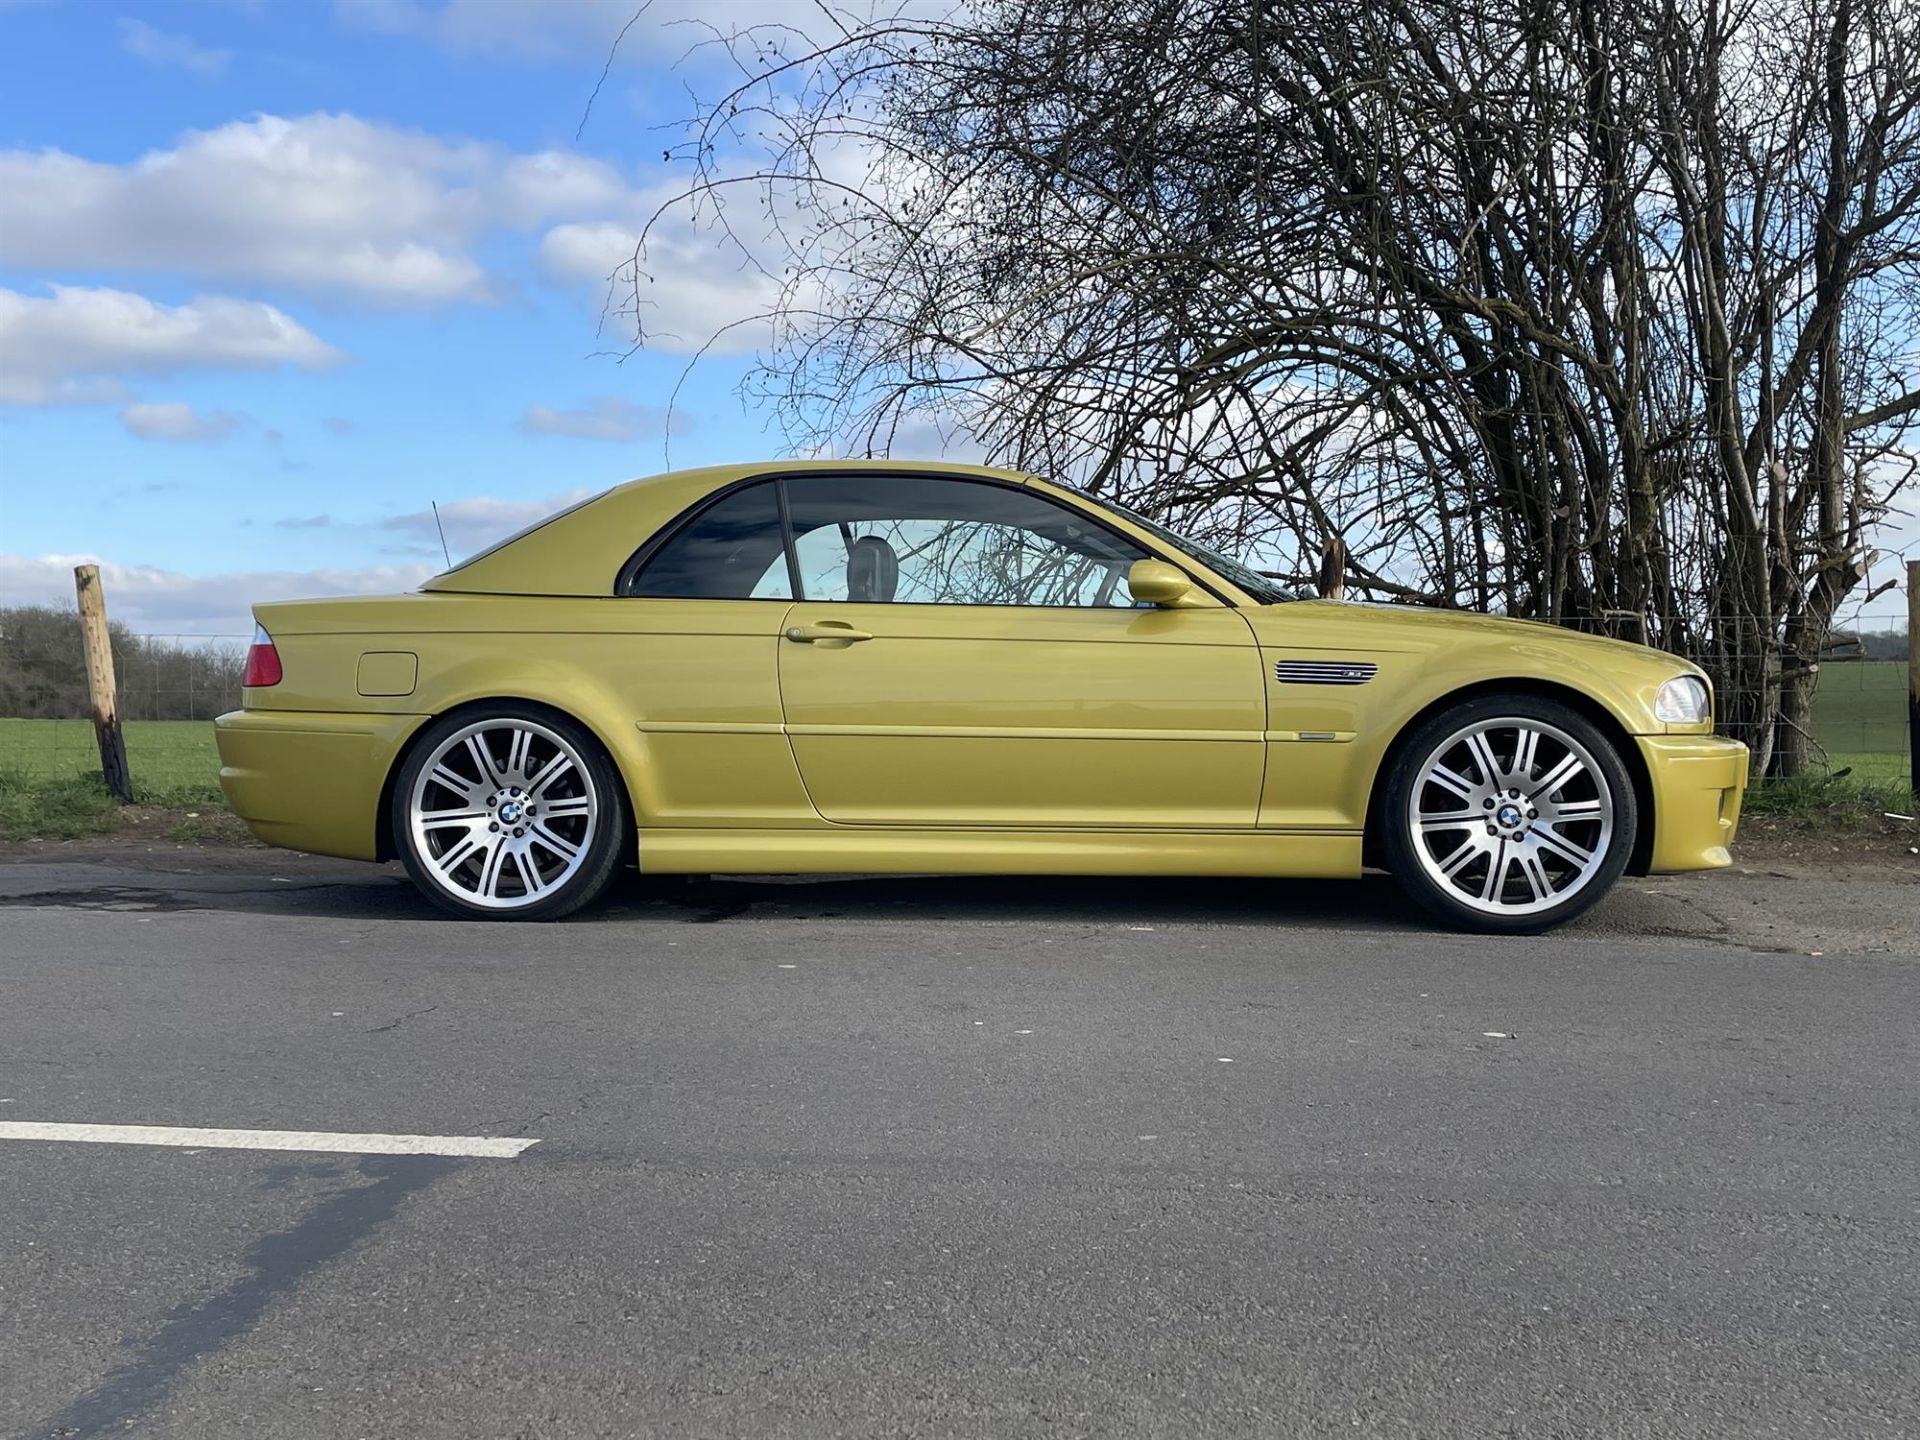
(1324, 672)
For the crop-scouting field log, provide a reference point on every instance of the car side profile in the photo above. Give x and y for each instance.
(875, 666)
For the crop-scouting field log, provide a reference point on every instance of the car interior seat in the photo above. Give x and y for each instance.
(873, 570)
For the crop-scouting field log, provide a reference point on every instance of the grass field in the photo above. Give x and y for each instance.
(172, 760)
(1880, 769)
(50, 769)
(50, 782)
(1860, 709)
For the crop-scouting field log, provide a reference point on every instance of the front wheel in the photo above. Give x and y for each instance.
(1508, 814)
(509, 813)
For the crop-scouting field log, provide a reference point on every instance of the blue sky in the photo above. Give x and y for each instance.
(277, 274)
(274, 276)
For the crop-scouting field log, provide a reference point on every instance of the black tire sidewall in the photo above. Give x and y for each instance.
(603, 851)
(1398, 840)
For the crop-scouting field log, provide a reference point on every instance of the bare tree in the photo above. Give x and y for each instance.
(1595, 312)
(43, 671)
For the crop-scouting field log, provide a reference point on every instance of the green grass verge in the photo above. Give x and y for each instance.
(50, 785)
(1846, 801)
(53, 809)
(174, 762)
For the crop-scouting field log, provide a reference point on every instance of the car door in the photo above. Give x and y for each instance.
(965, 652)
(695, 665)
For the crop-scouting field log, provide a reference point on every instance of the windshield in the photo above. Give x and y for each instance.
(1262, 588)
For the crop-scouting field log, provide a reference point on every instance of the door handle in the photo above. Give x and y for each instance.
(827, 631)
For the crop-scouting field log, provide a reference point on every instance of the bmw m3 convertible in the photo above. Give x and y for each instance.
(887, 666)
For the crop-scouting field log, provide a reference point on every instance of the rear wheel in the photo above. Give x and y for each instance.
(1508, 814)
(509, 813)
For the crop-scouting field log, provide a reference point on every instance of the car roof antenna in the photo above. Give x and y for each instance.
(443, 533)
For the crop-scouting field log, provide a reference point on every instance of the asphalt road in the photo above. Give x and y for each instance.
(970, 1158)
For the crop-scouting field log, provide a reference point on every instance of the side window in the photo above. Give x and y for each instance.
(919, 540)
(732, 550)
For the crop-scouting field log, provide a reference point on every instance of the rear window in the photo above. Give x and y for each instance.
(734, 549)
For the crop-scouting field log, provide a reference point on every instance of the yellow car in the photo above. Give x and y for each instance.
(883, 666)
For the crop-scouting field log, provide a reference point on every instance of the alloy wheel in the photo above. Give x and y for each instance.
(502, 812)
(1511, 816)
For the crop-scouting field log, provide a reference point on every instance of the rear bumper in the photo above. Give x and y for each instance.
(311, 781)
(1698, 782)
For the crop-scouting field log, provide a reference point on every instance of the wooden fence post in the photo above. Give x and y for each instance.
(1913, 675)
(1333, 569)
(98, 645)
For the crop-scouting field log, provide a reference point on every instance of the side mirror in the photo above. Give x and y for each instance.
(1158, 583)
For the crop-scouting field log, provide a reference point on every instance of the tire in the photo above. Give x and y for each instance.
(1490, 832)
(509, 812)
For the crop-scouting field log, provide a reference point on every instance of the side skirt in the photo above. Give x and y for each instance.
(1328, 854)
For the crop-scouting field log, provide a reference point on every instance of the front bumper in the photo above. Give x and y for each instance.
(1698, 782)
(311, 781)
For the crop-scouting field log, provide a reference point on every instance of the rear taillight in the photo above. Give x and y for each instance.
(263, 661)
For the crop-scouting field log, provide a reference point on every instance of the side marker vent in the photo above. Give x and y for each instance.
(1324, 672)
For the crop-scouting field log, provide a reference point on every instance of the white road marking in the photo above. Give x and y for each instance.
(327, 1140)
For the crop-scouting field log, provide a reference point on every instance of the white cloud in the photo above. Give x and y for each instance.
(709, 277)
(153, 600)
(322, 203)
(606, 417)
(76, 344)
(691, 288)
(177, 422)
(475, 523)
(156, 47)
(336, 206)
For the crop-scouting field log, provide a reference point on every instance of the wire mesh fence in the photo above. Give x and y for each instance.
(1857, 721)
(172, 685)
(1860, 716)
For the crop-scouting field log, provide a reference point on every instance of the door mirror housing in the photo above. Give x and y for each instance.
(1158, 583)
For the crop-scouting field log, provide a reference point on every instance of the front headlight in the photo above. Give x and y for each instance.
(1682, 701)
